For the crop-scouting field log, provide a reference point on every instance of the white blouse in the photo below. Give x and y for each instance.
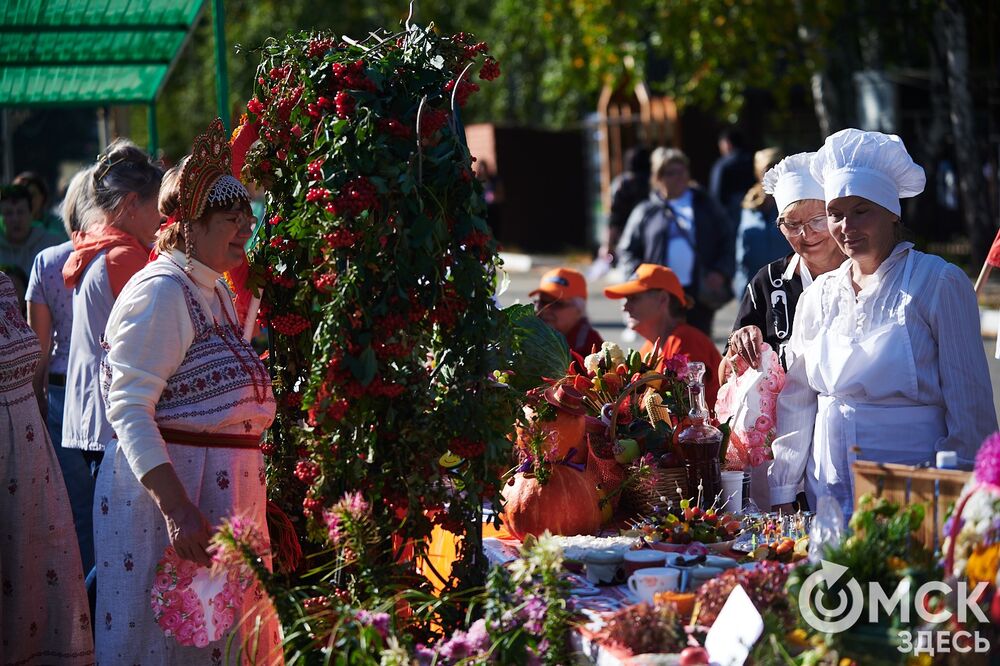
(942, 323)
(149, 333)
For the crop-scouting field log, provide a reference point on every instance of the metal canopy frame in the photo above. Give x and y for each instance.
(79, 53)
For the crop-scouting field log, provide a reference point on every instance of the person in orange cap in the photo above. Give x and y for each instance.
(657, 310)
(561, 302)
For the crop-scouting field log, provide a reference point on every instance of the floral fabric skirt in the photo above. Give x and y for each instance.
(44, 614)
(130, 539)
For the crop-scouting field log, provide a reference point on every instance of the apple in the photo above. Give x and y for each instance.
(627, 451)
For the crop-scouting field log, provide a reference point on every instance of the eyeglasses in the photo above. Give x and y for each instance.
(817, 223)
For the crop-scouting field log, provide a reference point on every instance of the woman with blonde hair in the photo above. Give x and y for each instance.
(113, 245)
(189, 401)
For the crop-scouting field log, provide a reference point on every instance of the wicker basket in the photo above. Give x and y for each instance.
(664, 484)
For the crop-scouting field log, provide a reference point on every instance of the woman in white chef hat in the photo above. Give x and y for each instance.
(767, 311)
(853, 389)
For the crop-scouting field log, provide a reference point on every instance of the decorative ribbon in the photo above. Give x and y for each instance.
(527, 465)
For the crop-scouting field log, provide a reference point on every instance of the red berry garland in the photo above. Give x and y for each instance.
(289, 324)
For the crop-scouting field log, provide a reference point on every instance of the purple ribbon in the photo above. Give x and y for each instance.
(568, 461)
(528, 464)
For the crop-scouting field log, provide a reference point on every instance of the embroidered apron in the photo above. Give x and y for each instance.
(867, 399)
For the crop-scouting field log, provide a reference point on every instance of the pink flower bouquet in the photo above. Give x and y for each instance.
(192, 604)
(748, 400)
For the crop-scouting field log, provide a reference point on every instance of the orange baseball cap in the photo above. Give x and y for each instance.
(646, 278)
(562, 283)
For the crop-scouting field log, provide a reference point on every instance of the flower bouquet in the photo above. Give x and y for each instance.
(193, 604)
(972, 543)
(636, 405)
(748, 402)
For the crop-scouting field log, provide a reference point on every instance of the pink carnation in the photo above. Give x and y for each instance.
(677, 364)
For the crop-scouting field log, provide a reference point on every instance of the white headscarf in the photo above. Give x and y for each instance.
(789, 181)
(871, 165)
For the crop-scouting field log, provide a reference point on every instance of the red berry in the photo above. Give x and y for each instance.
(306, 471)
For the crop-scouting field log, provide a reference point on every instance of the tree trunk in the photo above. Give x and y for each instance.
(968, 156)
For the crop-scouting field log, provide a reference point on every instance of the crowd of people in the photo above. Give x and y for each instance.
(134, 406)
(880, 341)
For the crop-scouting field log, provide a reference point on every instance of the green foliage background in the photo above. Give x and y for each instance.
(555, 55)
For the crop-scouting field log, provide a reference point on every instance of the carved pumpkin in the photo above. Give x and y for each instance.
(567, 504)
(564, 433)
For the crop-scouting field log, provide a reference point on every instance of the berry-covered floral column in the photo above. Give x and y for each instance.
(377, 278)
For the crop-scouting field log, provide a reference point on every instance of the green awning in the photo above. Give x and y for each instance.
(90, 52)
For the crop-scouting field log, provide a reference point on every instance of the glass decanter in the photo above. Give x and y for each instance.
(700, 442)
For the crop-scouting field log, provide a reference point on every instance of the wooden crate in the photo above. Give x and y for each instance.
(905, 484)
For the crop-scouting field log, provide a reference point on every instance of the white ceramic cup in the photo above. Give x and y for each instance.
(732, 484)
(643, 559)
(645, 583)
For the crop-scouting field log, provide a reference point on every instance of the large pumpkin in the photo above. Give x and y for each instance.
(563, 433)
(567, 504)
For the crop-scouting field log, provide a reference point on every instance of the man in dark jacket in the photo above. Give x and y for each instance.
(732, 174)
(629, 189)
(683, 228)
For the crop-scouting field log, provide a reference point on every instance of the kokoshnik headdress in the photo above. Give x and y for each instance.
(206, 179)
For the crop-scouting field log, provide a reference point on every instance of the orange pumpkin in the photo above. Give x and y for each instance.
(567, 504)
(563, 433)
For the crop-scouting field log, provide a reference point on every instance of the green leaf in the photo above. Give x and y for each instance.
(364, 366)
(420, 232)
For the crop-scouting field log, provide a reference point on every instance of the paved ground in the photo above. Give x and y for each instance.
(606, 315)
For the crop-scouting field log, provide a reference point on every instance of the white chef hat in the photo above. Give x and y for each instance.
(871, 165)
(789, 181)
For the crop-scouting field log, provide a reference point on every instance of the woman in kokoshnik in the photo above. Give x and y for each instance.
(189, 400)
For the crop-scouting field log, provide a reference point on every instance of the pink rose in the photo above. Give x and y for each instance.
(758, 456)
(754, 439)
(773, 383)
(200, 638)
(225, 619)
(173, 598)
(219, 603)
(767, 404)
(171, 620)
(185, 633)
(190, 601)
(764, 423)
(162, 582)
